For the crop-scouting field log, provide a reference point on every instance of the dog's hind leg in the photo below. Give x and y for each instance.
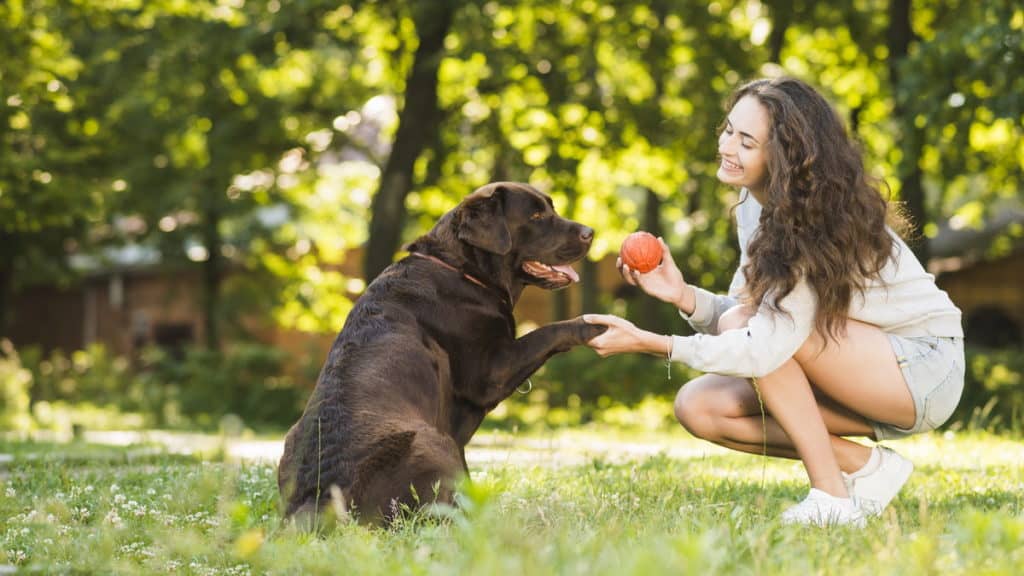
(426, 474)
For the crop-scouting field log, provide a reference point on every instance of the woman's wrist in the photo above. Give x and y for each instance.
(658, 345)
(687, 301)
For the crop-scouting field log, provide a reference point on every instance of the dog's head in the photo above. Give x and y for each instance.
(518, 223)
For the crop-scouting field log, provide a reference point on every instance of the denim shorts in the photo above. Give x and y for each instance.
(933, 367)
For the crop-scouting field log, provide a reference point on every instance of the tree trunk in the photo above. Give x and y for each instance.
(589, 303)
(6, 280)
(651, 311)
(782, 17)
(212, 267)
(912, 193)
(417, 124)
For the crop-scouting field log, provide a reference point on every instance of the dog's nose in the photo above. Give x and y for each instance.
(586, 233)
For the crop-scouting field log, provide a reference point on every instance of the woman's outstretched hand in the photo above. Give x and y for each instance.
(666, 282)
(623, 336)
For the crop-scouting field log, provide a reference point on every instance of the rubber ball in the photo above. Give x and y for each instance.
(641, 251)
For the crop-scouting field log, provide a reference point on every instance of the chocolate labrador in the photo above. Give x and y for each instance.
(427, 351)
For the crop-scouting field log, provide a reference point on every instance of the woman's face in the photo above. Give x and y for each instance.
(741, 146)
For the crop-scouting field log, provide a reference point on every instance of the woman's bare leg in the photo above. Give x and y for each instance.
(859, 372)
(787, 395)
(725, 410)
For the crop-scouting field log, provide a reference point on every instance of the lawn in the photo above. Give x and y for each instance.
(581, 501)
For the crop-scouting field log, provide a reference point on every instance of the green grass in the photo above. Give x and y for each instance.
(575, 502)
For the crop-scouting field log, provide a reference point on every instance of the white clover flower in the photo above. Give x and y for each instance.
(10, 492)
(113, 518)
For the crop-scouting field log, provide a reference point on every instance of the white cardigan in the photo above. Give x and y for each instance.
(904, 301)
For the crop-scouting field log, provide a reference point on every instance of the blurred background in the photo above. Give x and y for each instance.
(193, 193)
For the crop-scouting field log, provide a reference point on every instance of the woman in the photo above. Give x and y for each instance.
(829, 315)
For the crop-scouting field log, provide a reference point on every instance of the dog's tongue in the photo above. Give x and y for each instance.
(568, 271)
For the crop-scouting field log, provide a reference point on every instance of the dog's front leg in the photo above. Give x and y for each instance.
(514, 364)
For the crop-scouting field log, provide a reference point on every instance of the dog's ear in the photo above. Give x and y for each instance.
(482, 223)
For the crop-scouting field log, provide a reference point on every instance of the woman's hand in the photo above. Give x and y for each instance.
(623, 336)
(666, 282)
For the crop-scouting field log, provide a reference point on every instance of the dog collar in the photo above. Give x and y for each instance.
(450, 267)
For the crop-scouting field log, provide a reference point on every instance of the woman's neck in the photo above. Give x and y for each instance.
(758, 195)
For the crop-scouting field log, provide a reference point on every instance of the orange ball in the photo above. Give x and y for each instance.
(641, 251)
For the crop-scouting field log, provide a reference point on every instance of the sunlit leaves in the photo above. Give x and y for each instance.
(595, 102)
(41, 167)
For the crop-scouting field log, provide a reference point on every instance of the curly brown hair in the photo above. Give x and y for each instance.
(823, 217)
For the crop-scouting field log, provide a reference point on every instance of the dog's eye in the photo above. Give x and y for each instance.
(537, 216)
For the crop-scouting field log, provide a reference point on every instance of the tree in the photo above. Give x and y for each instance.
(206, 94)
(48, 143)
(417, 126)
(901, 35)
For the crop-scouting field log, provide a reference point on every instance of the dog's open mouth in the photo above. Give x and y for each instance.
(553, 276)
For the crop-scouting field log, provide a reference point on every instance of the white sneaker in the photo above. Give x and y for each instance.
(874, 486)
(823, 509)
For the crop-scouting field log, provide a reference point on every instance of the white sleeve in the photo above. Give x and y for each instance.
(709, 307)
(769, 339)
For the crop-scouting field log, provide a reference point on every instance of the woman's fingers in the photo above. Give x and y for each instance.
(628, 274)
(598, 342)
(667, 259)
(606, 319)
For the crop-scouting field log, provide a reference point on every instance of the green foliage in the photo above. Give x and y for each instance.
(91, 375)
(248, 381)
(94, 389)
(44, 169)
(15, 382)
(971, 120)
(993, 396)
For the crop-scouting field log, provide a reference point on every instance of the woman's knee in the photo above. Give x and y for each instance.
(695, 408)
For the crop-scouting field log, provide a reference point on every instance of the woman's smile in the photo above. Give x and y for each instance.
(730, 166)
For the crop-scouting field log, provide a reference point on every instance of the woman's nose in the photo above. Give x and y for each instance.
(725, 144)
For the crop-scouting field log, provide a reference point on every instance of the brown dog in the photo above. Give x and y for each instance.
(428, 350)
